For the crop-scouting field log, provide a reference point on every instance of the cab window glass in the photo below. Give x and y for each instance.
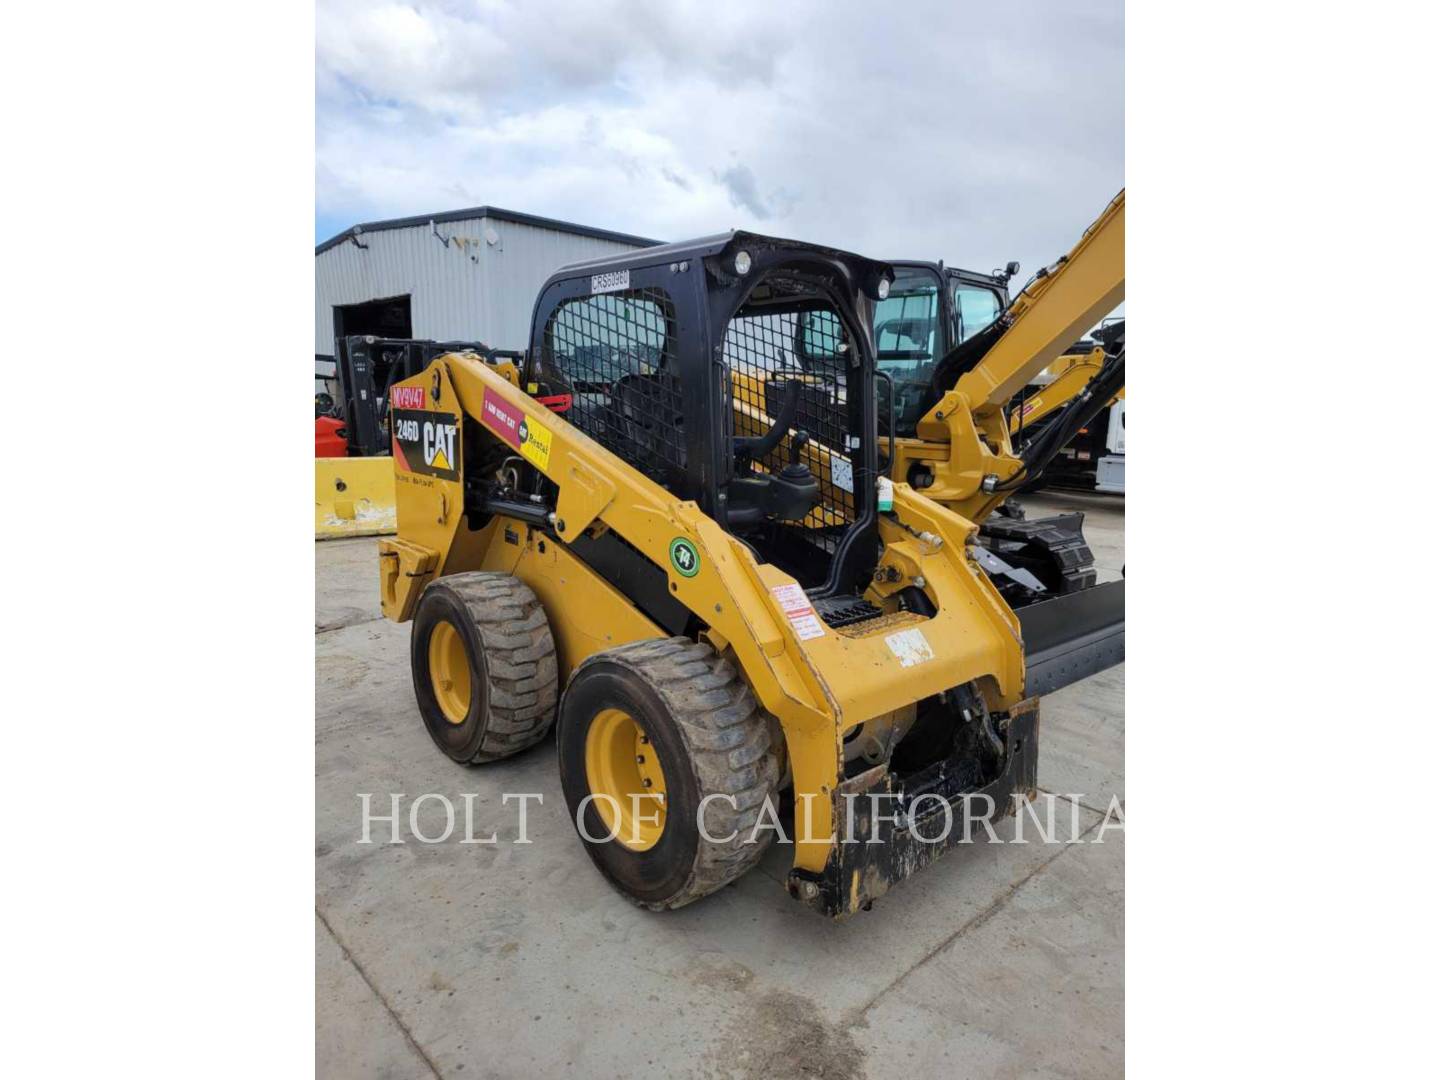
(905, 321)
(600, 338)
(975, 308)
(907, 343)
(822, 336)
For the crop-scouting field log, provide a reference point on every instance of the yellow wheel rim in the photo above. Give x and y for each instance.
(450, 672)
(626, 780)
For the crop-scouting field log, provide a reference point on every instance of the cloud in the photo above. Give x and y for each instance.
(739, 181)
(970, 133)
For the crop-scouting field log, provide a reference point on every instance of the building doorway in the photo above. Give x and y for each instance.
(387, 318)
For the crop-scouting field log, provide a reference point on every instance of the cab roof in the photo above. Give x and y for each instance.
(706, 246)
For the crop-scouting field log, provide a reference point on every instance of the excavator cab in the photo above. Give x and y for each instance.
(930, 310)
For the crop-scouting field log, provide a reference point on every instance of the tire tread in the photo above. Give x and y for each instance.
(731, 747)
(519, 660)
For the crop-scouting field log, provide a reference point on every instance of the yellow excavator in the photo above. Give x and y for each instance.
(667, 536)
(932, 308)
(953, 436)
(962, 436)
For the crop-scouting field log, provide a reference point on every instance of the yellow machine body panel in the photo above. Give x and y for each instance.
(597, 615)
(817, 681)
(354, 496)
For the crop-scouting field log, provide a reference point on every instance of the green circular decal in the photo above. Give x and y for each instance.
(684, 558)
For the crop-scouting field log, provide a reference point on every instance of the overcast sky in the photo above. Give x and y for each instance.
(970, 132)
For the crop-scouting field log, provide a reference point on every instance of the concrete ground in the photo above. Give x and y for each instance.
(475, 960)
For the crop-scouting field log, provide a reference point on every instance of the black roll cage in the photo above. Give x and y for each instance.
(702, 284)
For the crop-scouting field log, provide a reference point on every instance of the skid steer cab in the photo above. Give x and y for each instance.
(660, 536)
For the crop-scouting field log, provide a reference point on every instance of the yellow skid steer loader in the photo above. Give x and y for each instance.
(667, 535)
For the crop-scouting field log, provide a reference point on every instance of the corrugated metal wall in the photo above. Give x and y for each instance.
(471, 289)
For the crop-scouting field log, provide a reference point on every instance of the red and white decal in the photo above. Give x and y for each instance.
(407, 397)
(796, 606)
(502, 418)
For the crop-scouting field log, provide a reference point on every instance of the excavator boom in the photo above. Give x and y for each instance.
(1059, 392)
(1054, 310)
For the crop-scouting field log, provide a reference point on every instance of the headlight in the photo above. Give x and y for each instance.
(742, 263)
(883, 289)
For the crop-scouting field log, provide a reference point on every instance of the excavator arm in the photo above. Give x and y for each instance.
(1055, 309)
(1059, 392)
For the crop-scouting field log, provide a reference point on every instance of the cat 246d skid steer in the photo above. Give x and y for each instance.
(667, 534)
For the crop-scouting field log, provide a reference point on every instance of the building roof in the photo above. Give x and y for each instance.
(495, 212)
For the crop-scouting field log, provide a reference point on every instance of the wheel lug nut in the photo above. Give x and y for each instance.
(639, 759)
(646, 781)
(644, 740)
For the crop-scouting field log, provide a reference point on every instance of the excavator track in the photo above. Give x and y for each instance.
(1051, 548)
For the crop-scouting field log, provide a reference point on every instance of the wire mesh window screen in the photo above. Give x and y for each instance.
(615, 354)
(765, 352)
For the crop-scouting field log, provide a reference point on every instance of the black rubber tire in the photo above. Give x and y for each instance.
(513, 675)
(711, 738)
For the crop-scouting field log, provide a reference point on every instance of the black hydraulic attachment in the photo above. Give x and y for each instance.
(1072, 637)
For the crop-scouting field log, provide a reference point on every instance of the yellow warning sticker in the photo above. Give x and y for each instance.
(535, 443)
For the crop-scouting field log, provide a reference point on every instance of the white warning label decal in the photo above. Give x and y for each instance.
(911, 647)
(797, 608)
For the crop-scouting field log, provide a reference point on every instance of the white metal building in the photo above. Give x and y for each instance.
(468, 275)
